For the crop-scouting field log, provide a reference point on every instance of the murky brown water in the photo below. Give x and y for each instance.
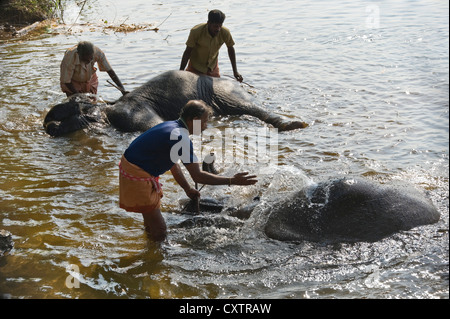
(376, 96)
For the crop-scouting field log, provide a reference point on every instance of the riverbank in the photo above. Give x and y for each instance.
(20, 17)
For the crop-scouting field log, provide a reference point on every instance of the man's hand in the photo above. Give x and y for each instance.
(238, 77)
(243, 179)
(192, 193)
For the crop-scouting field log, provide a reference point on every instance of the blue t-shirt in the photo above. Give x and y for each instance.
(159, 148)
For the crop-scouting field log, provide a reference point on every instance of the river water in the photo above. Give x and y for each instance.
(371, 79)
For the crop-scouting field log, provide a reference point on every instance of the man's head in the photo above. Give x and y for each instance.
(85, 51)
(215, 21)
(196, 110)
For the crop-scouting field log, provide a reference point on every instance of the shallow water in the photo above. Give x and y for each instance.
(371, 78)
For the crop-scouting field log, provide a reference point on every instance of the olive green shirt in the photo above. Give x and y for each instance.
(206, 48)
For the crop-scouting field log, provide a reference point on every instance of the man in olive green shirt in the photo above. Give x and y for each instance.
(203, 45)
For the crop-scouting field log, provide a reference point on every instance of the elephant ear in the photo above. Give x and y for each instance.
(68, 125)
(208, 164)
(62, 111)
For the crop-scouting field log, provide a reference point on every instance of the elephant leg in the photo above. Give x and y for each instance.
(277, 121)
(283, 125)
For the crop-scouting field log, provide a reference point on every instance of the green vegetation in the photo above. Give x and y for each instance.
(23, 12)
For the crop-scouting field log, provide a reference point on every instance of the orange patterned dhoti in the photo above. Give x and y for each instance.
(139, 191)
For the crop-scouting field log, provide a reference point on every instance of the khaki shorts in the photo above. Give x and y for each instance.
(139, 191)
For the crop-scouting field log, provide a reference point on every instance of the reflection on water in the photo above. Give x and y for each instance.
(377, 102)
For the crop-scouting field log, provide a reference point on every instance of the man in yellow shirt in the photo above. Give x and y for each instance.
(203, 45)
(78, 74)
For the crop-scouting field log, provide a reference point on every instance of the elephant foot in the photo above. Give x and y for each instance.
(289, 126)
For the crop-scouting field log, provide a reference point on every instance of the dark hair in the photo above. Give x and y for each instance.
(85, 48)
(195, 108)
(216, 16)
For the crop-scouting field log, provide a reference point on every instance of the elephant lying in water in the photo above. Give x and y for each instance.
(161, 99)
(349, 210)
(346, 210)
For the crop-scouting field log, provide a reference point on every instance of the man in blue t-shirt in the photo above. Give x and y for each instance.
(158, 150)
(151, 151)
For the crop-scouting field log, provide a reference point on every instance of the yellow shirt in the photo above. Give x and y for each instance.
(206, 48)
(73, 69)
